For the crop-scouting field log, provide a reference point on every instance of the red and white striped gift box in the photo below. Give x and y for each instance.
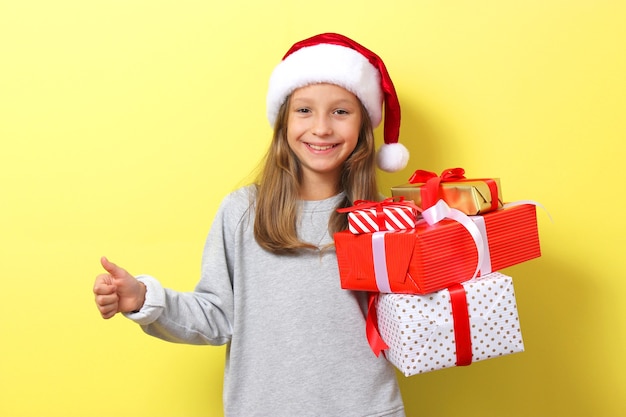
(387, 215)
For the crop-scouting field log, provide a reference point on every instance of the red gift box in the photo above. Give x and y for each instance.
(430, 258)
(377, 216)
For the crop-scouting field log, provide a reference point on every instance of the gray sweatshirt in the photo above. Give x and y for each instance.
(296, 340)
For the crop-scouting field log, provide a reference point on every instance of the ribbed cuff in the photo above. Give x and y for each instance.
(154, 303)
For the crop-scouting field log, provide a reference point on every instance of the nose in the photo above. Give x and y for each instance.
(322, 126)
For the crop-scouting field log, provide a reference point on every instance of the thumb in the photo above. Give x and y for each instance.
(114, 270)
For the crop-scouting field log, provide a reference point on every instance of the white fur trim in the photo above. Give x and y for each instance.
(392, 157)
(326, 63)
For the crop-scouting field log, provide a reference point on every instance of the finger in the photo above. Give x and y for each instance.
(104, 285)
(113, 269)
(106, 300)
(108, 311)
(102, 290)
(108, 305)
(108, 316)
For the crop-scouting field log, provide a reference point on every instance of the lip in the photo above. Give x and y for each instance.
(320, 147)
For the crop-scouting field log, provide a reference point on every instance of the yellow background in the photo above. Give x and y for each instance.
(124, 123)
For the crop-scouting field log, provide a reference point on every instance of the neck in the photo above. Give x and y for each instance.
(318, 190)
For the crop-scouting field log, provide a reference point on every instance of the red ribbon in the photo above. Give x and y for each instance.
(371, 326)
(430, 190)
(449, 174)
(460, 315)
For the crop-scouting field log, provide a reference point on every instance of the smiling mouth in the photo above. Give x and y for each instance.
(319, 147)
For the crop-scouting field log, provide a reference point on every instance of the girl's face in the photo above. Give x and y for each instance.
(323, 127)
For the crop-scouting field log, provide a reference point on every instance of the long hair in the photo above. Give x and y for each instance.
(278, 187)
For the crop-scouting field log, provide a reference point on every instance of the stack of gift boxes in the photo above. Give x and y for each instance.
(430, 258)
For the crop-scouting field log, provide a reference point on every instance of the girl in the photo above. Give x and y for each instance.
(270, 287)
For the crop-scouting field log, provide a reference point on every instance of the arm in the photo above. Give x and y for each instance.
(203, 316)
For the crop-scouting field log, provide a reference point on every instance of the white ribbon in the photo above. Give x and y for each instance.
(485, 265)
(442, 211)
(531, 202)
(475, 225)
(380, 262)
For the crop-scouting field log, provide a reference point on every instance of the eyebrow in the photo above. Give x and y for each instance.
(338, 102)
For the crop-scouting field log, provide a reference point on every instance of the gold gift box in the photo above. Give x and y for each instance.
(470, 196)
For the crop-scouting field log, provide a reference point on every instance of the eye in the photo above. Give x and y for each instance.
(303, 110)
(341, 112)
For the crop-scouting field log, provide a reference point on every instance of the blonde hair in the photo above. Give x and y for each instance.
(278, 186)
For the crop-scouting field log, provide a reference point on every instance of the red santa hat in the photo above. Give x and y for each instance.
(336, 59)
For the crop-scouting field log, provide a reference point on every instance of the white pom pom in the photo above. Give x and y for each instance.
(392, 157)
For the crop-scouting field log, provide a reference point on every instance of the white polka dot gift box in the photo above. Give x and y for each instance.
(469, 322)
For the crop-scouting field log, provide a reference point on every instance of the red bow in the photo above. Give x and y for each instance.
(450, 174)
(430, 192)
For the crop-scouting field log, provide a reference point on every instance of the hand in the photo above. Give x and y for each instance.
(117, 291)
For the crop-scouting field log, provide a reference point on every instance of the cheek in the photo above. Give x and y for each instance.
(353, 145)
(294, 130)
(290, 137)
(352, 136)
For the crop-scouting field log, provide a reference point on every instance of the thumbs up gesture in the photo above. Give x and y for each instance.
(117, 291)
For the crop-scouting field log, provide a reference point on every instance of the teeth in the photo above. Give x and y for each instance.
(320, 148)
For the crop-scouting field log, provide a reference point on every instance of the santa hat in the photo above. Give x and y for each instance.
(336, 59)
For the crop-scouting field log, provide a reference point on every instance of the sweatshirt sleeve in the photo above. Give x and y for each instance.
(204, 316)
(154, 303)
